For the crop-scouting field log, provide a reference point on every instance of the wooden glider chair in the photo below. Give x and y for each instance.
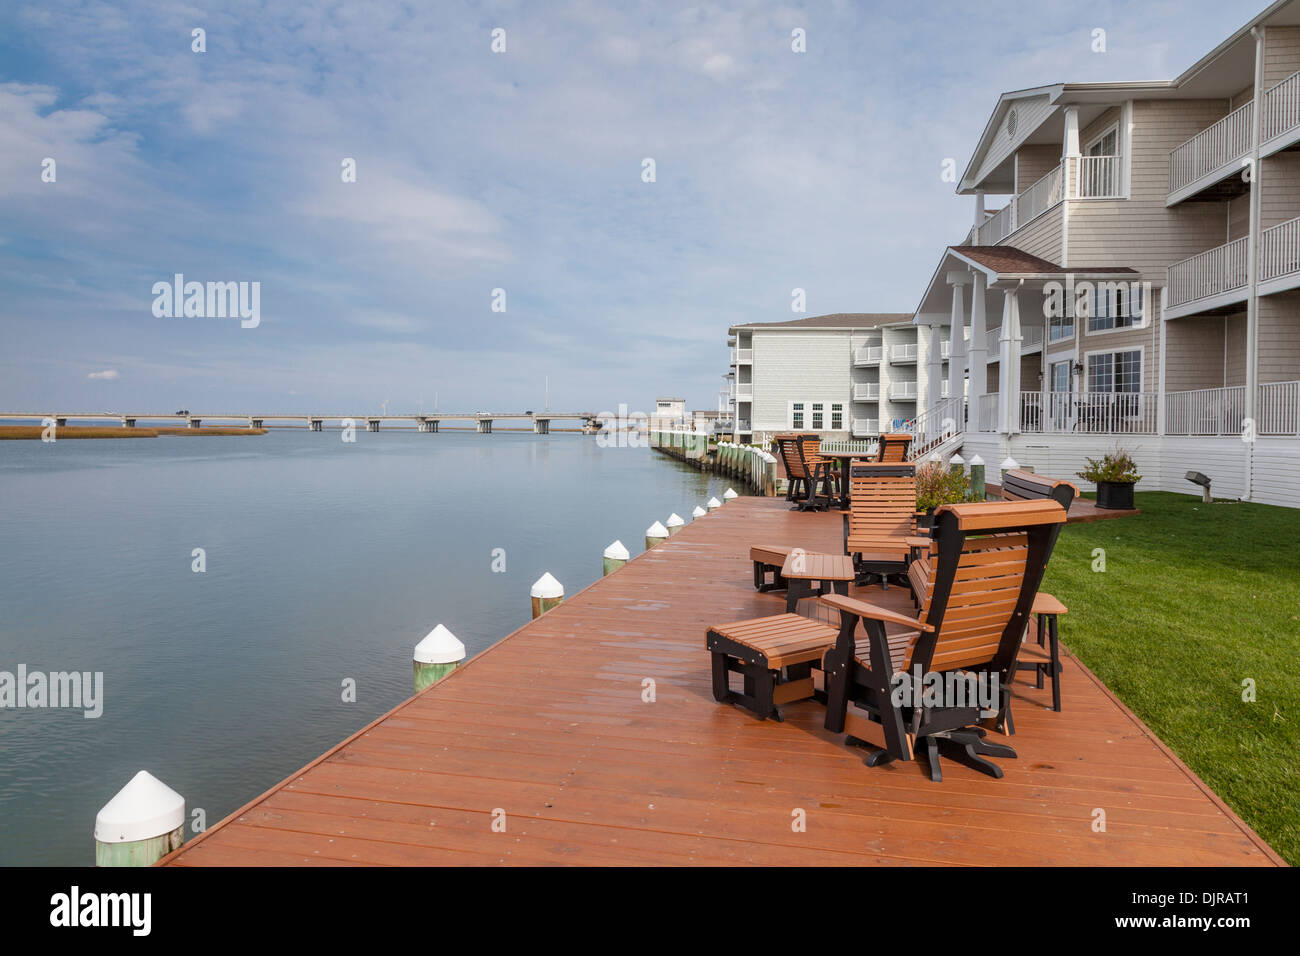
(893, 447)
(808, 475)
(880, 526)
(990, 558)
(1017, 486)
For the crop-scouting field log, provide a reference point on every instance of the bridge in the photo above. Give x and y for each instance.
(424, 422)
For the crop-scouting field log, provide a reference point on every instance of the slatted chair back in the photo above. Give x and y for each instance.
(893, 447)
(810, 448)
(989, 560)
(882, 506)
(788, 445)
(1027, 486)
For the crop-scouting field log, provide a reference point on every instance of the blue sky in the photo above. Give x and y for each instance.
(478, 170)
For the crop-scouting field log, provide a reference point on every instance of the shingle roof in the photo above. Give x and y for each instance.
(1015, 261)
(837, 320)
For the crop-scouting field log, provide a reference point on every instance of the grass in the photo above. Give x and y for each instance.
(1194, 600)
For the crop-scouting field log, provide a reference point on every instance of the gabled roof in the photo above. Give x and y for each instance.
(836, 320)
(1007, 261)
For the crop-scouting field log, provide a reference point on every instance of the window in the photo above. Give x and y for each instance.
(1060, 327)
(1060, 380)
(817, 416)
(1107, 144)
(1100, 167)
(1115, 371)
(1116, 305)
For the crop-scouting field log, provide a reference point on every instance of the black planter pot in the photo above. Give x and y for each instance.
(1115, 495)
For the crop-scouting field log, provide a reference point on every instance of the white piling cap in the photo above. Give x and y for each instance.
(714, 503)
(675, 520)
(617, 552)
(1009, 464)
(145, 808)
(956, 460)
(656, 530)
(698, 512)
(547, 587)
(439, 646)
(729, 494)
(977, 460)
(936, 457)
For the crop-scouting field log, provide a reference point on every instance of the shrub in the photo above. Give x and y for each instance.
(1117, 466)
(936, 485)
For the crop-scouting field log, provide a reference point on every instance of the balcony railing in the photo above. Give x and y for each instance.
(866, 392)
(744, 391)
(1031, 336)
(902, 353)
(1213, 272)
(742, 425)
(868, 355)
(988, 406)
(1278, 412)
(865, 426)
(996, 227)
(1281, 108)
(1090, 413)
(1030, 204)
(1279, 250)
(1205, 411)
(1223, 144)
(1096, 177)
(742, 356)
(904, 391)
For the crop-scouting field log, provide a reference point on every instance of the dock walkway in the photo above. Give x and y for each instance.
(548, 733)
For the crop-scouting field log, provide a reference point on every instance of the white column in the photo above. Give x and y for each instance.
(932, 387)
(957, 346)
(1009, 364)
(978, 351)
(1069, 153)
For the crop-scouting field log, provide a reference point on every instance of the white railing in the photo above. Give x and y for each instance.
(902, 353)
(1093, 413)
(997, 226)
(862, 426)
(1038, 198)
(902, 390)
(1215, 271)
(988, 405)
(944, 389)
(936, 425)
(1205, 411)
(868, 355)
(742, 425)
(1098, 178)
(1031, 337)
(866, 392)
(1281, 108)
(1279, 250)
(945, 349)
(744, 391)
(1279, 409)
(742, 356)
(1224, 143)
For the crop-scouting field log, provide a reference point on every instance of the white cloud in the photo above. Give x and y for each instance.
(107, 375)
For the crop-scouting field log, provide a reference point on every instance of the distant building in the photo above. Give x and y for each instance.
(843, 375)
(668, 411)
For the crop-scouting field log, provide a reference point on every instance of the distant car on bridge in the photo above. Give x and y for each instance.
(182, 411)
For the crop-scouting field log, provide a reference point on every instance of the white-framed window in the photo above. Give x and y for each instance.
(1118, 371)
(1060, 376)
(1105, 144)
(1116, 305)
(1060, 326)
(817, 416)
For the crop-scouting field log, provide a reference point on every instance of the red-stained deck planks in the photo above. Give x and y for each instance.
(549, 726)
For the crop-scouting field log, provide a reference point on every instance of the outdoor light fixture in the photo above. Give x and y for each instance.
(1196, 478)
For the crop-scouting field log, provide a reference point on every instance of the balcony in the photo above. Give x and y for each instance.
(866, 392)
(744, 391)
(1210, 156)
(1279, 257)
(1207, 280)
(742, 425)
(1030, 204)
(1031, 340)
(903, 391)
(742, 356)
(1205, 411)
(868, 355)
(1280, 124)
(865, 427)
(901, 354)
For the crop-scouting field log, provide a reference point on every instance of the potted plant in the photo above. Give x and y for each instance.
(938, 485)
(1114, 475)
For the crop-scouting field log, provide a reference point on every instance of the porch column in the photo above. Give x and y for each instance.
(958, 279)
(978, 352)
(933, 393)
(1009, 364)
(1070, 154)
(957, 342)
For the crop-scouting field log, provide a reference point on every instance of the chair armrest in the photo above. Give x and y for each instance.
(918, 542)
(862, 609)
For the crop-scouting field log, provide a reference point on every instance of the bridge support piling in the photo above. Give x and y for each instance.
(372, 424)
(315, 424)
(193, 422)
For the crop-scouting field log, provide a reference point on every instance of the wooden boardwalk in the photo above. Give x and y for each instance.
(550, 728)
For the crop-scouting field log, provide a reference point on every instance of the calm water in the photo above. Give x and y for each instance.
(325, 561)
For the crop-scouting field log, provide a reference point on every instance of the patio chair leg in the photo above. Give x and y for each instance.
(932, 755)
(967, 746)
(721, 688)
(835, 680)
(1056, 664)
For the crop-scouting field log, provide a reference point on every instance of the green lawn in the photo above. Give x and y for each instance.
(1194, 600)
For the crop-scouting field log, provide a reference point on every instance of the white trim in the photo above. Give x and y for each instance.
(1142, 365)
(1146, 311)
(846, 418)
